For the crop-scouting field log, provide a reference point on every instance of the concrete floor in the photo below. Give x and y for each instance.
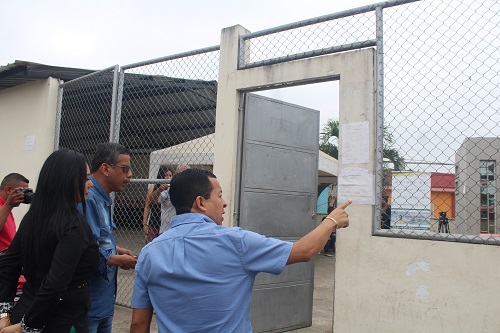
(322, 304)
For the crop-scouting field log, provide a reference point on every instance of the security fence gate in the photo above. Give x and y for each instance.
(437, 90)
(278, 199)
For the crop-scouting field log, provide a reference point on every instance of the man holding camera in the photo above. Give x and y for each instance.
(11, 195)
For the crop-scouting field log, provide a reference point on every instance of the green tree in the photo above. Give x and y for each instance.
(329, 138)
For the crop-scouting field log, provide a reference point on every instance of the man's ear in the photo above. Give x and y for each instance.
(199, 204)
(8, 190)
(104, 168)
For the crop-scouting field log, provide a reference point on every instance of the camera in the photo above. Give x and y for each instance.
(28, 194)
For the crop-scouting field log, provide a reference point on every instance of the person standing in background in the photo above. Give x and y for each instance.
(10, 198)
(162, 196)
(385, 215)
(151, 220)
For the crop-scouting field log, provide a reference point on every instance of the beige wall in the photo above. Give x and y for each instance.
(382, 284)
(27, 110)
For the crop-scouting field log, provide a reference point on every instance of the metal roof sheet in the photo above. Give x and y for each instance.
(21, 72)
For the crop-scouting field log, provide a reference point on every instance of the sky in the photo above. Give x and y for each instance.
(96, 34)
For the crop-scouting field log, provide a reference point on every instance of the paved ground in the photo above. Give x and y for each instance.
(322, 305)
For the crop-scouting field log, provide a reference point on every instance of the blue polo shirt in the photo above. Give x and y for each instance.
(198, 276)
(103, 283)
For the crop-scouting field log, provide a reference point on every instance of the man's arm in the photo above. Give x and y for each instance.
(124, 259)
(141, 320)
(309, 245)
(13, 200)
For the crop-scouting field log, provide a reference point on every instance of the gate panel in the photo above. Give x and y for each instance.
(277, 199)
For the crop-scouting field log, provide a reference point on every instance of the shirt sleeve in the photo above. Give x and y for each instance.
(163, 197)
(140, 295)
(94, 221)
(263, 254)
(66, 257)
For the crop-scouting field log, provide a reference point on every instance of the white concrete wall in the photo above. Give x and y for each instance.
(382, 284)
(27, 110)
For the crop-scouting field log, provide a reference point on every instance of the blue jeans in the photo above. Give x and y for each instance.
(102, 325)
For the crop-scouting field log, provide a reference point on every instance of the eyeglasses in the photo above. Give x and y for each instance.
(125, 168)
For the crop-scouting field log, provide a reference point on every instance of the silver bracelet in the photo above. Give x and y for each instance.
(26, 329)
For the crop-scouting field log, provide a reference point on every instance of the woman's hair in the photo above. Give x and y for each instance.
(161, 174)
(162, 171)
(54, 204)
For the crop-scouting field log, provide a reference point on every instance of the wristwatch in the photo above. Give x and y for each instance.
(4, 315)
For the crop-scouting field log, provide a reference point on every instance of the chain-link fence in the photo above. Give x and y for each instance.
(167, 119)
(437, 107)
(163, 110)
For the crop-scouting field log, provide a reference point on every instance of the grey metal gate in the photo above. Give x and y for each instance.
(278, 199)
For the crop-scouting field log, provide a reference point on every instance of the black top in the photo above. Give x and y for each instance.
(155, 215)
(386, 218)
(155, 212)
(55, 294)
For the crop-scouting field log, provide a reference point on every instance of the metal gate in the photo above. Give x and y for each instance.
(278, 199)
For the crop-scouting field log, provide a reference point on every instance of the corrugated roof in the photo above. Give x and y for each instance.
(21, 72)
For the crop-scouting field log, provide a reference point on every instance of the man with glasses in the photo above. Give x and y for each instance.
(111, 172)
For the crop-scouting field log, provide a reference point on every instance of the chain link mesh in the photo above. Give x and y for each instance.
(439, 105)
(166, 117)
(441, 109)
(314, 38)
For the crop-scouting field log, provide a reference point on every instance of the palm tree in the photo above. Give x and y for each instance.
(329, 138)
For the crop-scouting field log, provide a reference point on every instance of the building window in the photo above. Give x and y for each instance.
(488, 190)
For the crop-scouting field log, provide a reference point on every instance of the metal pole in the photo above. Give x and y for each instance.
(379, 114)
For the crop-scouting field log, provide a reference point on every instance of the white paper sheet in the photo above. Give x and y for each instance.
(355, 143)
(357, 185)
(29, 142)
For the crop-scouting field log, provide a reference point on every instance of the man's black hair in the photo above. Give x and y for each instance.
(186, 186)
(12, 180)
(109, 153)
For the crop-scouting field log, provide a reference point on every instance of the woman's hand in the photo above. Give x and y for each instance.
(12, 329)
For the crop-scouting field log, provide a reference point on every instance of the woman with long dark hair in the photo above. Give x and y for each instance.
(55, 250)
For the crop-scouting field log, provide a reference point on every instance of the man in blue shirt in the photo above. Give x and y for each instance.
(198, 275)
(111, 172)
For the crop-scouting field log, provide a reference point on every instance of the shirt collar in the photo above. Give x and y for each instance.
(100, 191)
(190, 218)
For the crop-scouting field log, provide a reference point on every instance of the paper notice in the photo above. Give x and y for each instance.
(29, 142)
(355, 143)
(357, 185)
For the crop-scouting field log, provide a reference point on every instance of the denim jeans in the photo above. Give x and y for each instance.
(102, 325)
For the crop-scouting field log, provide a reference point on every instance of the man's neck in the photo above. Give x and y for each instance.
(101, 179)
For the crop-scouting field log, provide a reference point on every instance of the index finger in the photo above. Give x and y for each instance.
(345, 204)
